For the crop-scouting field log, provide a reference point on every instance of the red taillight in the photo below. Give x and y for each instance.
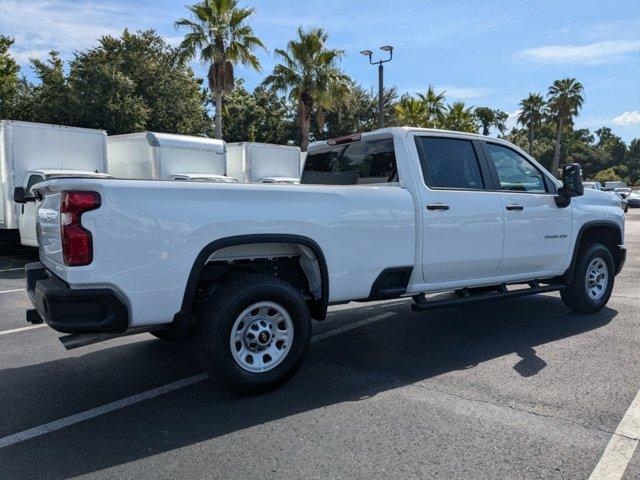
(77, 244)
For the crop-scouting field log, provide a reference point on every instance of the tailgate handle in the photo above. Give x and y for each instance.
(437, 206)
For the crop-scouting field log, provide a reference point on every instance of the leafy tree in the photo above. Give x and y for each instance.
(136, 82)
(565, 101)
(633, 161)
(460, 117)
(220, 36)
(357, 111)
(309, 73)
(533, 110)
(612, 144)
(9, 82)
(435, 107)
(52, 97)
(260, 116)
(412, 112)
(608, 175)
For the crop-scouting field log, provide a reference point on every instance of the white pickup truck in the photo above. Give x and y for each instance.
(244, 267)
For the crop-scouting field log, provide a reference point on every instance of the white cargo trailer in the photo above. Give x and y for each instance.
(263, 162)
(29, 152)
(161, 156)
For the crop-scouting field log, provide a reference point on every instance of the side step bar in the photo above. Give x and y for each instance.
(471, 295)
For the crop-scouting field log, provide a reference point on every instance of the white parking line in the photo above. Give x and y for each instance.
(95, 412)
(154, 392)
(12, 269)
(623, 443)
(21, 329)
(12, 291)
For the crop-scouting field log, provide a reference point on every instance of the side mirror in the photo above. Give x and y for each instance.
(20, 195)
(571, 184)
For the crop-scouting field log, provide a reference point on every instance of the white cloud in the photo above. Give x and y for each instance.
(512, 119)
(40, 26)
(592, 53)
(628, 118)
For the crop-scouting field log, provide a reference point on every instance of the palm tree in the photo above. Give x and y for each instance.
(220, 34)
(486, 116)
(412, 112)
(435, 106)
(309, 73)
(532, 111)
(500, 121)
(460, 117)
(565, 101)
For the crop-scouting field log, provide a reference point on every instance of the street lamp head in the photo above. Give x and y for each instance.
(387, 48)
(366, 53)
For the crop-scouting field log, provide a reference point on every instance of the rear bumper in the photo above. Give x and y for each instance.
(71, 310)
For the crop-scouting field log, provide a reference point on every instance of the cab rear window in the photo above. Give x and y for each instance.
(357, 163)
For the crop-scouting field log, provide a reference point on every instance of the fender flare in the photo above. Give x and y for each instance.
(568, 275)
(318, 307)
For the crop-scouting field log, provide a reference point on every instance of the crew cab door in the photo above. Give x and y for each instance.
(537, 231)
(27, 218)
(462, 221)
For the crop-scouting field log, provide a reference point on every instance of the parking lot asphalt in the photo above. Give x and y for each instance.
(521, 388)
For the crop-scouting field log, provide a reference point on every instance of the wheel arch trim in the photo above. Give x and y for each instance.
(318, 313)
(576, 245)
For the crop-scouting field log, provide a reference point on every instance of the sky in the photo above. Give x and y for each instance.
(489, 53)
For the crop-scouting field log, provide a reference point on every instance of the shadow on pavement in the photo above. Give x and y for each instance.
(394, 352)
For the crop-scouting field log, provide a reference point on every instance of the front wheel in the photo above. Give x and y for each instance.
(254, 332)
(592, 281)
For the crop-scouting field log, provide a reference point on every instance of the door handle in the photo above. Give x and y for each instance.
(515, 207)
(437, 206)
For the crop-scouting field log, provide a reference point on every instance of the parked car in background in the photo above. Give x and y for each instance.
(252, 162)
(593, 185)
(160, 156)
(633, 200)
(614, 184)
(621, 200)
(622, 191)
(398, 212)
(30, 153)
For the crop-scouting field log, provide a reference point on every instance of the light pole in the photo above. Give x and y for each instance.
(369, 53)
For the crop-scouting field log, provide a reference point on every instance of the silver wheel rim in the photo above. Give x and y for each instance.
(597, 278)
(261, 337)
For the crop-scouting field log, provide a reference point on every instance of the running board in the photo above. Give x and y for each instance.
(471, 295)
(77, 340)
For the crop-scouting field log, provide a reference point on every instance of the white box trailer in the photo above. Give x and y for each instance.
(161, 156)
(263, 162)
(31, 152)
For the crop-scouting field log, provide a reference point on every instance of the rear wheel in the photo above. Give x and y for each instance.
(254, 332)
(592, 281)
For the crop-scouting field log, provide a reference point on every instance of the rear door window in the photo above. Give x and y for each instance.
(449, 163)
(359, 163)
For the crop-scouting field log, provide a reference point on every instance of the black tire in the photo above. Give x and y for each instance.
(218, 315)
(575, 295)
